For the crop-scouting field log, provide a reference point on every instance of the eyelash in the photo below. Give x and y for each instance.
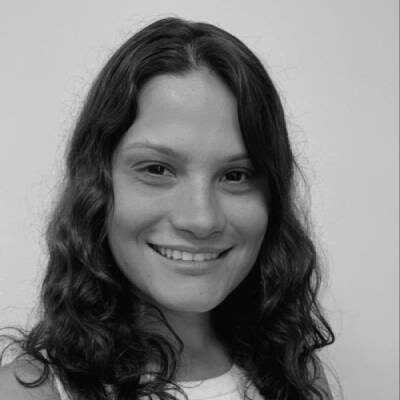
(248, 173)
(148, 167)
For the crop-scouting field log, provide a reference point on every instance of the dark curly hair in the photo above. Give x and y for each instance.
(271, 324)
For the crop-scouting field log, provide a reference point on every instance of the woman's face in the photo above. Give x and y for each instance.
(189, 216)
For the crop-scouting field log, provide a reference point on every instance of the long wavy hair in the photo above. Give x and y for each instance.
(90, 330)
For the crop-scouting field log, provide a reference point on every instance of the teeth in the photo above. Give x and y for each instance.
(199, 257)
(176, 254)
(184, 255)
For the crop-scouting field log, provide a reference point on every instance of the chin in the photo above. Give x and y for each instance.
(192, 305)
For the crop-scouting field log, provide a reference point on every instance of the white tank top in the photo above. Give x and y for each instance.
(228, 386)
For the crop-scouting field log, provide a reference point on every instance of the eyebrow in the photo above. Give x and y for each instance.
(175, 154)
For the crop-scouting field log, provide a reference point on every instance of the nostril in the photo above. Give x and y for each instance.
(199, 212)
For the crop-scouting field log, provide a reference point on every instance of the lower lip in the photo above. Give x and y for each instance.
(192, 268)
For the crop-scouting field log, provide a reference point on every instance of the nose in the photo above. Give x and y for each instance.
(198, 211)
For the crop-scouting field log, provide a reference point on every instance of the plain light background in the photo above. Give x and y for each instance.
(336, 66)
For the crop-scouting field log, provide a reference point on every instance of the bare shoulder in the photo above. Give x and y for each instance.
(11, 389)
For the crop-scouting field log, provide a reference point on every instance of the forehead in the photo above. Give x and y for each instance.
(192, 111)
(197, 91)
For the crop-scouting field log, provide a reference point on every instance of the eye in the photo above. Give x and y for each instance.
(157, 169)
(237, 176)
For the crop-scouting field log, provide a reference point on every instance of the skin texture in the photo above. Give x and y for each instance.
(181, 177)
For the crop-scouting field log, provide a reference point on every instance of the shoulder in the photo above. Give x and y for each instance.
(26, 370)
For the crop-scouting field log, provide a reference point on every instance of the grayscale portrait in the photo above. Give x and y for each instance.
(199, 201)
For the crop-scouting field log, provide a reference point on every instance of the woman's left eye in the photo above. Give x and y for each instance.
(237, 176)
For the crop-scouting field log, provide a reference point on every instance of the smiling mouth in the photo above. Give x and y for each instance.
(178, 255)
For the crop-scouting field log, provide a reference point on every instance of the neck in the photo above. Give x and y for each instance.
(194, 329)
(203, 356)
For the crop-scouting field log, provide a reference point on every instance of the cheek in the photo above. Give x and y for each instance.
(128, 218)
(249, 219)
(133, 211)
(124, 228)
(249, 222)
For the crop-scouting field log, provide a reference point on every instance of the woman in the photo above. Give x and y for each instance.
(177, 262)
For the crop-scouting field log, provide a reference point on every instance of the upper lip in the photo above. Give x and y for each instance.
(190, 249)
